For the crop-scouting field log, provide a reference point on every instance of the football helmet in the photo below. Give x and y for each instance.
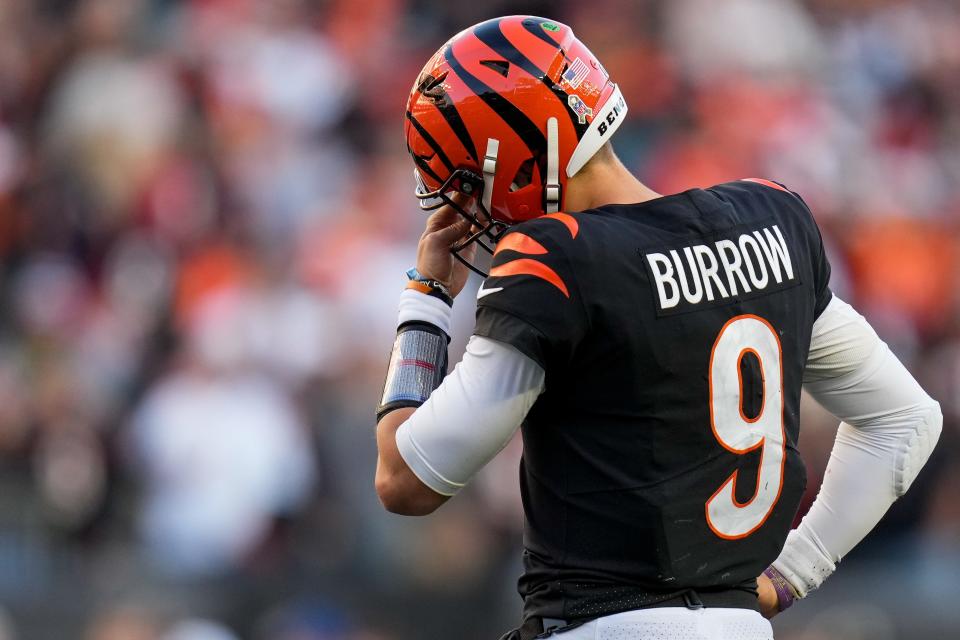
(504, 113)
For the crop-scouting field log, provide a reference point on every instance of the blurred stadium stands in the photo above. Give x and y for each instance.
(205, 215)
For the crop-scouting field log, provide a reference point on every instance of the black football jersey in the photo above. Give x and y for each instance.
(662, 454)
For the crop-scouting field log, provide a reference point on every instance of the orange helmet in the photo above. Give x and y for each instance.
(505, 112)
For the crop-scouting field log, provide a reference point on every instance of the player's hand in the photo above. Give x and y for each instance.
(767, 595)
(444, 229)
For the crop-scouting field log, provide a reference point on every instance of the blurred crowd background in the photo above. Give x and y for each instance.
(206, 213)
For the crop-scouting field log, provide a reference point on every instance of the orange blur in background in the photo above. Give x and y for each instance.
(206, 212)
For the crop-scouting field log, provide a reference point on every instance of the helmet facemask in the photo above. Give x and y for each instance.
(479, 190)
(485, 230)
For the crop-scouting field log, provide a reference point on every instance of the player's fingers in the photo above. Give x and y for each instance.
(441, 218)
(450, 234)
(448, 214)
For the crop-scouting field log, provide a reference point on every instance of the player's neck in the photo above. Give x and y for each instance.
(607, 182)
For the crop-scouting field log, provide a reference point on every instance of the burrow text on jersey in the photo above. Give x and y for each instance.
(733, 267)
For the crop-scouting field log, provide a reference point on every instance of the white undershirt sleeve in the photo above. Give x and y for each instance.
(890, 426)
(471, 416)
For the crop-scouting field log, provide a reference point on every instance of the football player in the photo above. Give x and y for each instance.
(653, 348)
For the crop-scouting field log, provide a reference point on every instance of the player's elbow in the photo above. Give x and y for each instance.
(919, 445)
(392, 499)
(398, 495)
(930, 424)
(935, 420)
(405, 505)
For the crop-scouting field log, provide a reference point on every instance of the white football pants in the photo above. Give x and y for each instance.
(675, 623)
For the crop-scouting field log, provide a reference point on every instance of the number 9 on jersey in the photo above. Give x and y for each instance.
(746, 334)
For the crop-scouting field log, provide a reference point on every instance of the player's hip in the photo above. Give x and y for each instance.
(667, 623)
(678, 623)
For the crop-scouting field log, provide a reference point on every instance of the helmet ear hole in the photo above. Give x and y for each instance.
(524, 175)
(500, 66)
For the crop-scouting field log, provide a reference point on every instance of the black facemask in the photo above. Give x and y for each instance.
(487, 230)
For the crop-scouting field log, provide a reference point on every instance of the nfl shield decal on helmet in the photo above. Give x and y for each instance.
(580, 108)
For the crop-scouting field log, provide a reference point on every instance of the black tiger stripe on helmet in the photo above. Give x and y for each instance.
(489, 120)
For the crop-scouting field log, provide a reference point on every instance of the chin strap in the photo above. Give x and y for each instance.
(551, 189)
(489, 169)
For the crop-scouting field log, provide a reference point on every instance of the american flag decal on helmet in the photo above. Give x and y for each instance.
(576, 73)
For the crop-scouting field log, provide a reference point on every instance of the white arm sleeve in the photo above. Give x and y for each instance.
(890, 426)
(471, 416)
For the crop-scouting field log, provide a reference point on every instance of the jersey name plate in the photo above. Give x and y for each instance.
(736, 266)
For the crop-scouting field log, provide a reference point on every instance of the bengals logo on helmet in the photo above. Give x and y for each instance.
(506, 111)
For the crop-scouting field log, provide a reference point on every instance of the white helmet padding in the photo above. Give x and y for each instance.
(600, 131)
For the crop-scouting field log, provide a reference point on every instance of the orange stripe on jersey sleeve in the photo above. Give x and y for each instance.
(568, 220)
(767, 183)
(528, 267)
(521, 243)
